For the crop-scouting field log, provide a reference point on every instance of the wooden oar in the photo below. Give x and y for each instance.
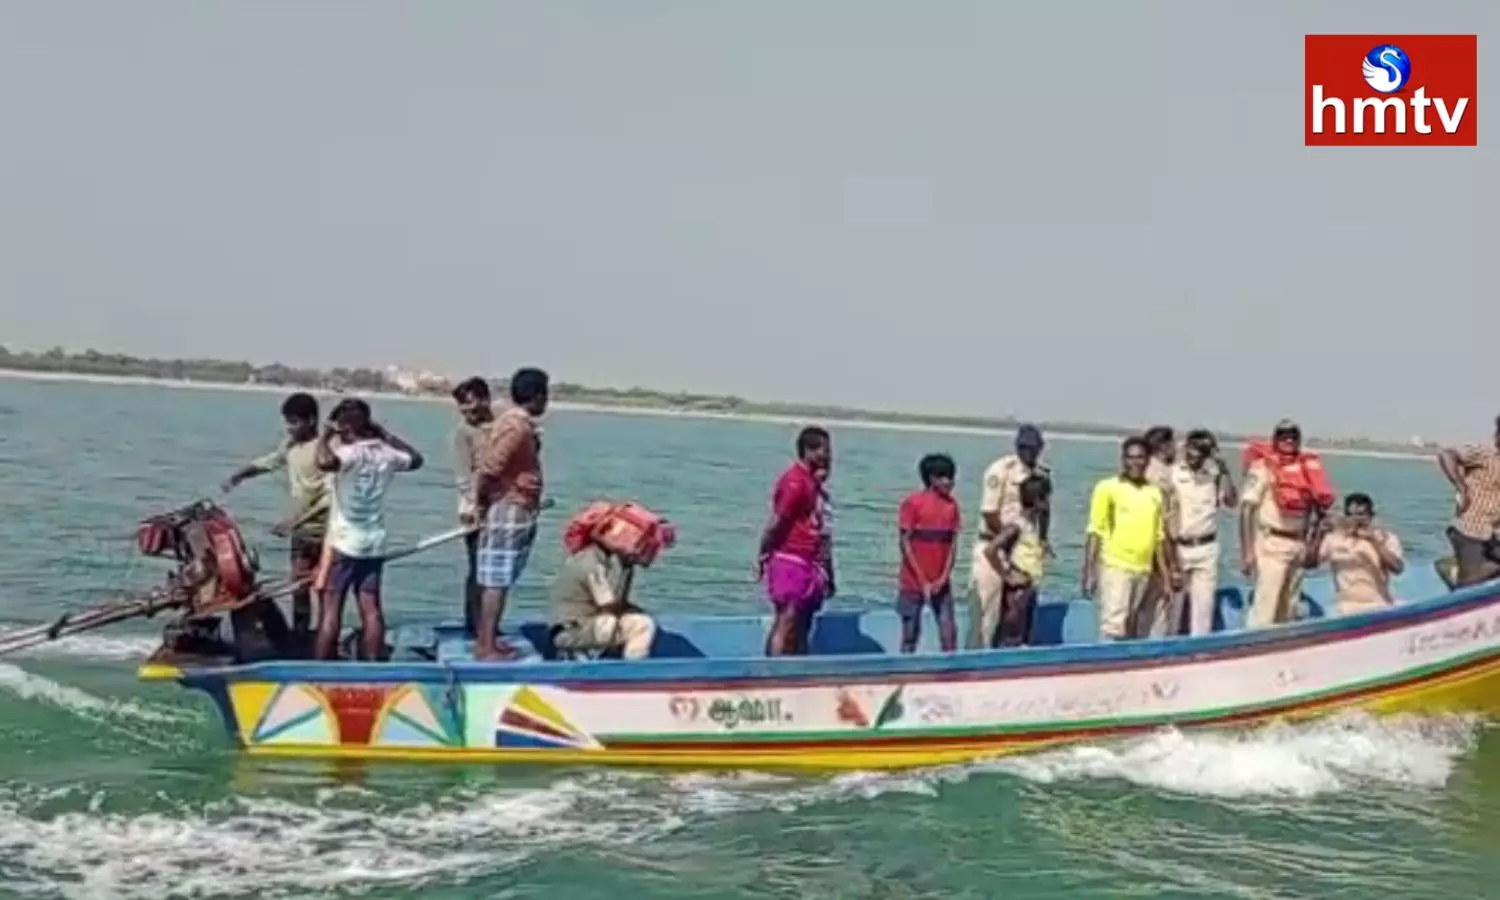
(148, 605)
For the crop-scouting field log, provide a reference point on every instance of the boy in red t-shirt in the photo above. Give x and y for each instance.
(929, 525)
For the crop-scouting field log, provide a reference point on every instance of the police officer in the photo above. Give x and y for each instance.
(1000, 504)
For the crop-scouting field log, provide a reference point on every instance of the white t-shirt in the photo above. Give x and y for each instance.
(356, 524)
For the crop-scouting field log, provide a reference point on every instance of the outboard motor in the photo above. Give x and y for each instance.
(214, 564)
(216, 575)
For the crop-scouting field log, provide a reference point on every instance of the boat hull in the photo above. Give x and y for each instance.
(863, 711)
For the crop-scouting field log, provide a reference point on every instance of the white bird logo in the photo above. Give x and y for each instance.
(1386, 77)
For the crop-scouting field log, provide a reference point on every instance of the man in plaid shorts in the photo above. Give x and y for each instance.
(508, 491)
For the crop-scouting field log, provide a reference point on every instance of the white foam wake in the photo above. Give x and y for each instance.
(1323, 756)
(90, 646)
(353, 839)
(30, 686)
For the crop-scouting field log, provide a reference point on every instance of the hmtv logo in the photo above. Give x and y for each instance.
(1391, 90)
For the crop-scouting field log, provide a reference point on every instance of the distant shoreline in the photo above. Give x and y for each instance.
(873, 424)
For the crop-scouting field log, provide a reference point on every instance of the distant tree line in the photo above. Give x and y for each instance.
(218, 371)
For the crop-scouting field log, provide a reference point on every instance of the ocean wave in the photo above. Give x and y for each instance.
(31, 686)
(354, 839)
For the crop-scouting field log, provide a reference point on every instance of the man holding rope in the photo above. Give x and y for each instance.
(310, 491)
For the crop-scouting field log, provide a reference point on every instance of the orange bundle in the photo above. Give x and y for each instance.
(628, 529)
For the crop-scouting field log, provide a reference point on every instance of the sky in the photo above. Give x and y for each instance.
(1093, 211)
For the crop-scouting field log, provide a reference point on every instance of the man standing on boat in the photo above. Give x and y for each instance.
(1160, 612)
(1198, 486)
(362, 462)
(927, 525)
(307, 521)
(1286, 493)
(796, 550)
(1474, 472)
(1125, 541)
(1362, 557)
(1000, 505)
(1162, 442)
(508, 491)
(476, 413)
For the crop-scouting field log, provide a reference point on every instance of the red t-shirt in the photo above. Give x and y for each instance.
(930, 522)
(799, 497)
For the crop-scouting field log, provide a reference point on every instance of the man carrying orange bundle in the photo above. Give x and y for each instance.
(591, 608)
(1287, 491)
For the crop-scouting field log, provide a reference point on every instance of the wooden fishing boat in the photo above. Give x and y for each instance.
(708, 698)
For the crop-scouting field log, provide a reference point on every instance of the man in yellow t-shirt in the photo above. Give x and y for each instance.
(1125, 542)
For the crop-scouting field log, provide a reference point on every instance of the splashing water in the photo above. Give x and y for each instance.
(356, 838)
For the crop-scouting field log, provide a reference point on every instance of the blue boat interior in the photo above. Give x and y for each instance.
(844, 631)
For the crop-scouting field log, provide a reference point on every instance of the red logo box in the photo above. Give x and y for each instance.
(1436, 106)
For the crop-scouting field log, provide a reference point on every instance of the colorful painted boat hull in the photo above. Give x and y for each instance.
(864, 711)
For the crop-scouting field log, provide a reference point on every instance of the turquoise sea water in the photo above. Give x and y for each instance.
(109, 788)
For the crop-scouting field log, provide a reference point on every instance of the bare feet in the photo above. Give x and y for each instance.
(501, 652)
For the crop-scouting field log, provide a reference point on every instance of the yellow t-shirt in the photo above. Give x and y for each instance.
(1127, 518)
(1027, 553)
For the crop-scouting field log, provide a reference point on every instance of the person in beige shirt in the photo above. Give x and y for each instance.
(1000, 505)
(1362, 557)
(311, 491)
(1197, 487)
(1273, 542)
(476, 415)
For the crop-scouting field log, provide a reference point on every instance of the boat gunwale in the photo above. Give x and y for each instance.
(709, 673)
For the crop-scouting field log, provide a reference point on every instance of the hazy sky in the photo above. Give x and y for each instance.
(1091, 210)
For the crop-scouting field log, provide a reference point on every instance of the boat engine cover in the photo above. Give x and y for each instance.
(214, 561)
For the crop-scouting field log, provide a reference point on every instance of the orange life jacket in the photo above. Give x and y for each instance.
(1296, 483)
(625, 528)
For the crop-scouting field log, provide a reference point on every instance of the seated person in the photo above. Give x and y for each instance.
(1018, 554)
(591, 608)
(1361, 556)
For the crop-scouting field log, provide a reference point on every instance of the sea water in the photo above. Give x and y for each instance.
(110, 788)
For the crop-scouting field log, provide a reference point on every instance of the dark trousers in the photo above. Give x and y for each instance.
(1477, 560)
(306, 553)
(1017, 608)
(471, 586)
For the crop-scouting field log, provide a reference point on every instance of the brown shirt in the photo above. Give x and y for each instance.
(1359, 577)
(1481, 473)
(509, 464)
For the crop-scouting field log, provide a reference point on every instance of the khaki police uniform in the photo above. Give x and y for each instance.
(1280, 551)
(1195, 538)
(1001, 495)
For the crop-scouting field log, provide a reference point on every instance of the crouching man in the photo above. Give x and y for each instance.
(591, 598)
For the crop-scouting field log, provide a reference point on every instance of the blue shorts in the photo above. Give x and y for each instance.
(504, 545)
(910, 605)
(353, 573)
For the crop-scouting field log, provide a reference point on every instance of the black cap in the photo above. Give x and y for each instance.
(1029, 436)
